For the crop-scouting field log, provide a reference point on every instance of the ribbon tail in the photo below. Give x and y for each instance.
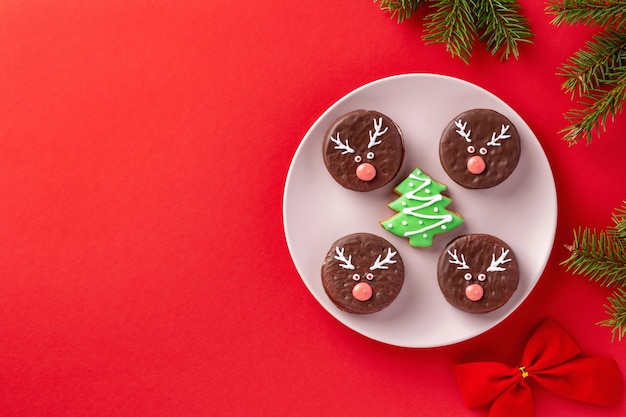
(592, 380)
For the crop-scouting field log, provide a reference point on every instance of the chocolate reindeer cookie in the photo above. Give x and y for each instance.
(362, 273)
(477, 273)
(363, 150)
(479, 148)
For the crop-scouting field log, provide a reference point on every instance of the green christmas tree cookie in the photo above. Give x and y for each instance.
(422, 212)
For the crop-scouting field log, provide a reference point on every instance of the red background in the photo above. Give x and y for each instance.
(144, 147)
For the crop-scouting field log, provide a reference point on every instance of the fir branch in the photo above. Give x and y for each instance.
(619, 223)
(403, 9)
(502, 26)
(588, 12)
(453, 24)
(617, 314)
(458, 23)
(592, 65)
(599, 256)
(596, 72)
(597, 106)
(602, 257)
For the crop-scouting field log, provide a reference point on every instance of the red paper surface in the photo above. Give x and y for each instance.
(143, 152)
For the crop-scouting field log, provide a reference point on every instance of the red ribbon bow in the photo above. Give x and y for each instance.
(551, 359)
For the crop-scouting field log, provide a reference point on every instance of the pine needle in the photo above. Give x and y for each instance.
(403, 9)
(598, 105)
(453, 24)
(502, 26)
(458, 23)
(617, 314)
(592, 65)
(601, 256)
(588, 12)
(619, 223)
(595, 73)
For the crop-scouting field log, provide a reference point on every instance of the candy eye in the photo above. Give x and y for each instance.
(471, 149)
(358, 158)
(482, 277)
(483, 151)
(468, 276)
(370, 155)
(369, 276)
(356, 277)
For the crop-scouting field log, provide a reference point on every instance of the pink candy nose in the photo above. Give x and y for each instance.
(474, 292)
(362, 291)
(365, 171)
(476, 165)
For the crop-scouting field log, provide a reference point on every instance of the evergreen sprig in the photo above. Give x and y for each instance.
(459, 23)
(619, 224)
(587, 12)
(617, 314)
(599, 104)
(403, 9)
(596, 73)
(503, 26)
(452, 24)
(601, 256)
(591, 66)
(598, 256)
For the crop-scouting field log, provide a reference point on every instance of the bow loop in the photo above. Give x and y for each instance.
(550, 358)
(484, 381)
(592, 380)
(548, 346)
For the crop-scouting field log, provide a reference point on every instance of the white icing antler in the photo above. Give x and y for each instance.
(377, 133)
(456, 261)
(383, 264)
(461, 130)
(341, 146)
(495, 263)
(347, 263)
(494, 140)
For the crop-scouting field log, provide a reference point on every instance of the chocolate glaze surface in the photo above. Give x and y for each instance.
(355, 129)
(363, 250)
(473, 254)
(500, 159)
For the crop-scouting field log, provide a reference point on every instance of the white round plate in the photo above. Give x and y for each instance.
(317, 211)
